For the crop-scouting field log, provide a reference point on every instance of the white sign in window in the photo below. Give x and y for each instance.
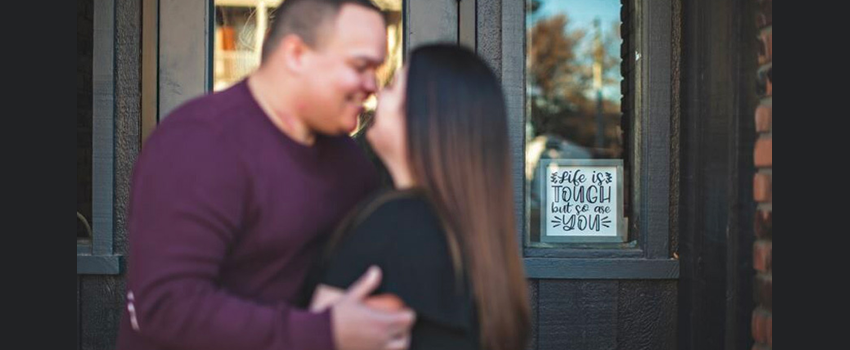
(582, 201)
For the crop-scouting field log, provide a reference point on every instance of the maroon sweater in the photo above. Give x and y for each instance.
(226, 216)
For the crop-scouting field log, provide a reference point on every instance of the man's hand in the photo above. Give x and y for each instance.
(357, 326)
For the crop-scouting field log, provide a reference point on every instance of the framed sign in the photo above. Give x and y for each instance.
(582, 201)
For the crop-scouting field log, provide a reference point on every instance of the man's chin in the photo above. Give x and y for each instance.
(352, 122)
(351, 129)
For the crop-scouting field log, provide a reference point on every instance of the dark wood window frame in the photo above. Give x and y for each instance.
(651, 151)
(95, 256)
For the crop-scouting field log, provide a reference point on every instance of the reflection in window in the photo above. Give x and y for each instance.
(85, 38)
(241, 26)
(573, 88)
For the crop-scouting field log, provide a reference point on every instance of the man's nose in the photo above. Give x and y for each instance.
(370, 84)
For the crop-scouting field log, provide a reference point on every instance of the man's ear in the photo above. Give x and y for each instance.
(294, 53)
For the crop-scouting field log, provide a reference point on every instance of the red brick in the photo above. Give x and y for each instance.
(764, 118)
(764, 15)
(762, 256)
(763, 188)
(764, 152)
(769, 330)
(764, 81)
(759, 325)
(762, 328)
(763, 291)
(755, 327)
(766, 47)
(769, 83)
(764, 224)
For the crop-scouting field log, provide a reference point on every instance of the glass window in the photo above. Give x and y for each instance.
(574, 100)
(241, 26)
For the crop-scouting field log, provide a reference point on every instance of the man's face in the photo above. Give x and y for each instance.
(341, 71)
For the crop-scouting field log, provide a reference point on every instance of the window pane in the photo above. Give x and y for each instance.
(241, 26)
(573, 90)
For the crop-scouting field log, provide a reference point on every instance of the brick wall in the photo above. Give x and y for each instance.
(763, 183)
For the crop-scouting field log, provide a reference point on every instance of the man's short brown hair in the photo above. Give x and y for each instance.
(306, 19)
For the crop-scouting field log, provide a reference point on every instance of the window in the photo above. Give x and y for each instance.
(644, 149)
(241, 26)
(574, 115)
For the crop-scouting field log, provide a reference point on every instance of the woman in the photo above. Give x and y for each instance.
(445, 236)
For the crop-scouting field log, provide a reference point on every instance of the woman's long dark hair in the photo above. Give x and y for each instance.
(459, 153)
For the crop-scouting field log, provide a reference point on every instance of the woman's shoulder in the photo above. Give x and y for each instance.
(401, 232)
(400, 228)
(409, 216)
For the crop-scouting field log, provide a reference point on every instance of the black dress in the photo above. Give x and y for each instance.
(401, 233)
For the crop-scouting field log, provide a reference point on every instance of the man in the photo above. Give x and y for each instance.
(236, 192)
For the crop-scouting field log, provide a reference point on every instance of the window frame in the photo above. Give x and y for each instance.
(95, 256)
(647, 255)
